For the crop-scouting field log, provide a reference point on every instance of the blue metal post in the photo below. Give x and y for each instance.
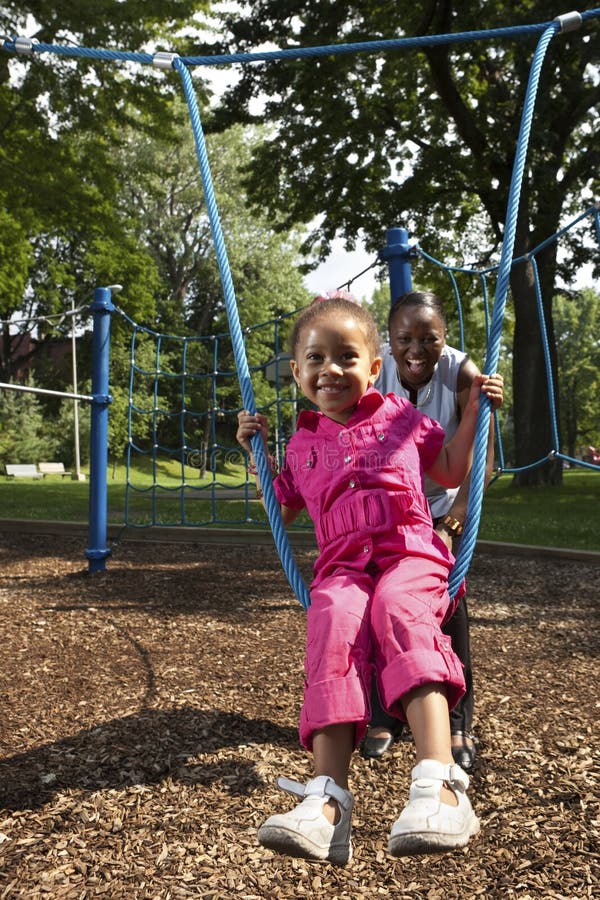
(397, 254)
(98, 550)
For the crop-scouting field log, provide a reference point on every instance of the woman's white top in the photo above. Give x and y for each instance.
(438, 399)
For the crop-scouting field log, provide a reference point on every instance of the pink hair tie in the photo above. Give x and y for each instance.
(339, 294)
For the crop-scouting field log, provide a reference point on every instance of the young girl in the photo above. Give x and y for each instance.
(379, 594)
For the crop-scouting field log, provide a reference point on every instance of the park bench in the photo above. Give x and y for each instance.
(22, 470)
(52, 468)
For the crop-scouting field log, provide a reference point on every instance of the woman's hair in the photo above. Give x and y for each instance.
(419, 298)
(331, 306)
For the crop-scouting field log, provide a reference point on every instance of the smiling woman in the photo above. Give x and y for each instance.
(419, 366)
(417, 333)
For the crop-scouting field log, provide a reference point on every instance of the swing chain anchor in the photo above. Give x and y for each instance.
(570, 21)
(24, 45)
(164, 60)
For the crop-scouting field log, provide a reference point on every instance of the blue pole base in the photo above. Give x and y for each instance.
(97, 559)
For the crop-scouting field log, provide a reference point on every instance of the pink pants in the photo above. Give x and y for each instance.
(391, 621)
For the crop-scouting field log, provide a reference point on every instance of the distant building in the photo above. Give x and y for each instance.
(22, 354)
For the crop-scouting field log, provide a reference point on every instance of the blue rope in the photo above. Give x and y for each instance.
(412, 43)
(239, 350)
(547, 355)
(459, 310)
(218, 59)
(469, 538)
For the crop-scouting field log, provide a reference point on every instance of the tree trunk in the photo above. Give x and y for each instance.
(5, 354)
(531, 401)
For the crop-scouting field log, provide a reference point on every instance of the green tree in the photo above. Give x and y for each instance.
(61, 120)
(64, 430)
(162, 195)
(577, 321)
(24, 435)
(430, 138)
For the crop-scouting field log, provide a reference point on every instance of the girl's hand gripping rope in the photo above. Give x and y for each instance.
(248, 426)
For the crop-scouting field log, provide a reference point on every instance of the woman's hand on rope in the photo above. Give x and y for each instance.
(248, 426)
(495, 390)
(490, 385)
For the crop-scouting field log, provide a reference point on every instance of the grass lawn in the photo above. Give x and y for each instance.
(565, 516)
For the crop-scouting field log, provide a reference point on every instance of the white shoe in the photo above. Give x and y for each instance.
(426, 825)
(305, 831)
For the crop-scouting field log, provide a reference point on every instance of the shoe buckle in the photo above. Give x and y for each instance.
(457, 776)
(431, 769)
(321, 786)
(291, 787)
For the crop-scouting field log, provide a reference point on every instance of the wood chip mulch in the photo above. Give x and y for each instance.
(147, 711)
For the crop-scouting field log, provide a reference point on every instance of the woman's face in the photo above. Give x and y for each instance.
(417, 338)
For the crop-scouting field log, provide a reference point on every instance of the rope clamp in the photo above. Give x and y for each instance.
(164, 60)
(25, 45)
(570, 21)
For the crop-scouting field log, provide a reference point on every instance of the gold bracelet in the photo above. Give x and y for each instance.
(453, 525)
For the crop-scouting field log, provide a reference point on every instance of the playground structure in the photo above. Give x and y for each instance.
(134, 720)
(397, 254)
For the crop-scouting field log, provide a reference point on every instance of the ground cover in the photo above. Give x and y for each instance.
(147, 711)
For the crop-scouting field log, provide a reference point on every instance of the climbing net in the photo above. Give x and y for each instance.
(184, 397)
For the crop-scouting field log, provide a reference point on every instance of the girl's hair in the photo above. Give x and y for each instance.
(419, 298)
(332, 306)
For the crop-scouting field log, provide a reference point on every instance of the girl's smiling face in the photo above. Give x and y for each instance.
(333, 364)
(417, 338)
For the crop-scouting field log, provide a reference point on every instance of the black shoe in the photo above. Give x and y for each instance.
(464, 754)
(372, 747)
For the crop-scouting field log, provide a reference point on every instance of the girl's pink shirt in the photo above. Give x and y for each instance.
(362, 484)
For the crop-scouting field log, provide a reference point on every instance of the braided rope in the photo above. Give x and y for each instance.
(547, 355)
(469, 538)
(279, 534)
(25, 46)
